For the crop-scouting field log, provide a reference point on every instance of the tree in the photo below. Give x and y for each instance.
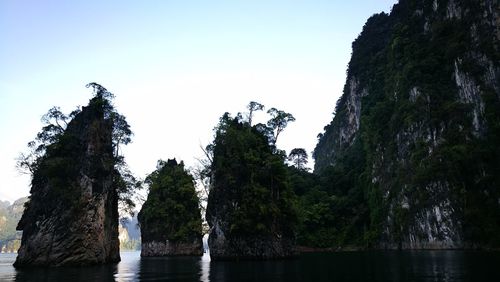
(127, 186)
(278, 122)
(55, 124)
(202, 171)
(100, 91)
(121, 132)
(252, 107)
(55, 115)
(299, 158)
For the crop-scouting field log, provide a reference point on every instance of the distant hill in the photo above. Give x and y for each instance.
(4, 204)
(10, 214)
(130, 234)
(132, 227)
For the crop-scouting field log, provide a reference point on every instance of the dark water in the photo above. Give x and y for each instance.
(343, 266)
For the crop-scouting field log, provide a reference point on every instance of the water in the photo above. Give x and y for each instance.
(343, 266)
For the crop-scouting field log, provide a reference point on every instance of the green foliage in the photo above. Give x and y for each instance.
(172, 210)
(250, 181)
(331, 213)
(60, 155)
(279, 121)
(299, 157)
(253, 107)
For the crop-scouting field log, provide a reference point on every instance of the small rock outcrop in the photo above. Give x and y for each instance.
(72, 214)
(170, 219)
(250, 210)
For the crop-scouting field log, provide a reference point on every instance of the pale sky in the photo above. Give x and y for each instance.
(175, 68)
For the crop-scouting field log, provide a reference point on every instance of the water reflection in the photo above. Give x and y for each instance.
(205, 268)
(437, 265)
(128, 268)
(169, 268)
(277, 270)
(345, 266)
(73, 274)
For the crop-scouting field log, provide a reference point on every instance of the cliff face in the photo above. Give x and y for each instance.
(421, 105)
(72, 215)
(170, 219)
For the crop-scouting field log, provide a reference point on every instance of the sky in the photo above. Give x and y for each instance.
(175, 67)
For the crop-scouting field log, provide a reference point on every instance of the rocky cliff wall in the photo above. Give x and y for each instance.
(72, 214)
(422, 96)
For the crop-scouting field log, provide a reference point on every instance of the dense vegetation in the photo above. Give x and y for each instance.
(415, 131)
(171, 211)
(250, 185)
(54, 157)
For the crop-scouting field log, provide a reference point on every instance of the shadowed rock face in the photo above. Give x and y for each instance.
(225, 245)
(72, 216)
(263, 247)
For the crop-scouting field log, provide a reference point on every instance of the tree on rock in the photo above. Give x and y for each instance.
(279, 121)
(298, 157)
(72, 214)
(250, 206)
(252, 108)
(170, 219)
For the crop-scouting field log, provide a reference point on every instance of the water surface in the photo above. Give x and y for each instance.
(342, 266)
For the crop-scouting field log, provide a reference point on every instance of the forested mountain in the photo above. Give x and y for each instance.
(412, 150)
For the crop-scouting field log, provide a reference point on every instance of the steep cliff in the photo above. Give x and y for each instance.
(418, 121)
(72, 215)
(170, 219)
(250, 205)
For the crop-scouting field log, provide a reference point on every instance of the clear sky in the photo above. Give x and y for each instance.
(175, 68)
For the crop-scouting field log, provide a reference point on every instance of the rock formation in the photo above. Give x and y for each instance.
(72, 215)
(249, 209)
(420, 110)
(170, 219)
